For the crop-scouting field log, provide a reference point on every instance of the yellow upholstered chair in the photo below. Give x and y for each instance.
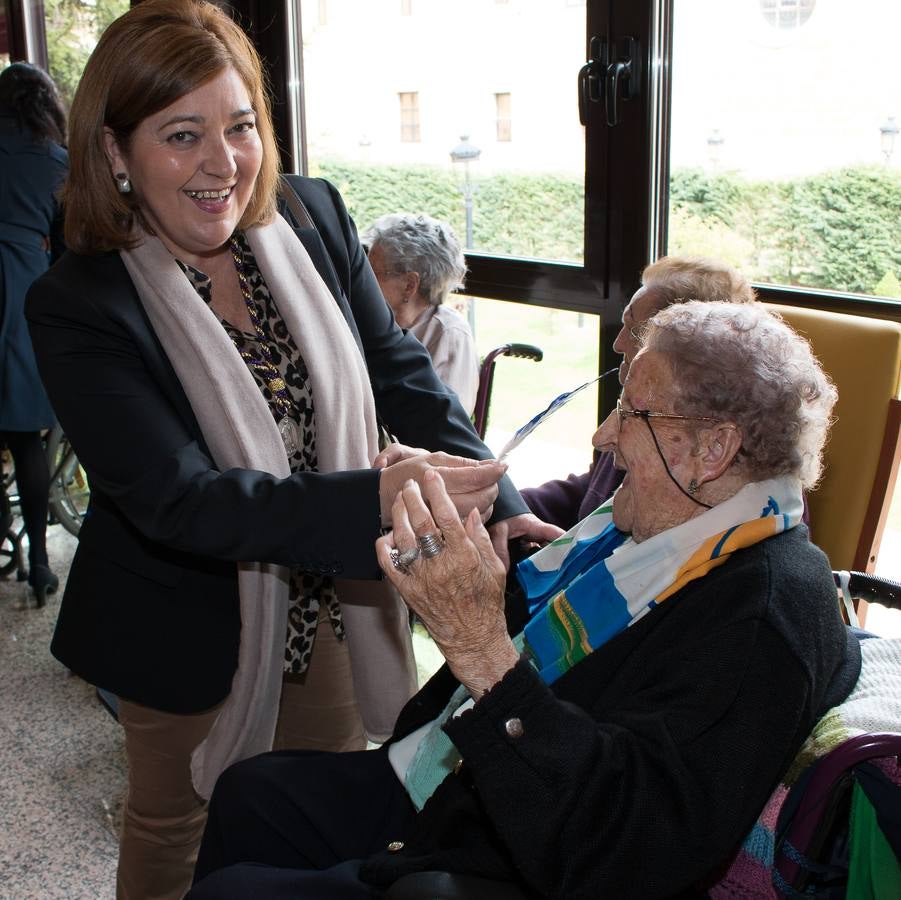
(849, 507)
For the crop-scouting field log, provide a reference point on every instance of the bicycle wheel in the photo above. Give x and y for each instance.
(69, 488)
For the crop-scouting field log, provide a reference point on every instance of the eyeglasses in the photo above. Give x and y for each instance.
(385, 273)
(646, 414)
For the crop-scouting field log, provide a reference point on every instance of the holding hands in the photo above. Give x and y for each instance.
(449, 575)
(471, 484)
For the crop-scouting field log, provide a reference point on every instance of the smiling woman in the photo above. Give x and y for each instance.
(193, 166)
(220, 371)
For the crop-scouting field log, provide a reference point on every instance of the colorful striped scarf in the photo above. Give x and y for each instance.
(595, 581)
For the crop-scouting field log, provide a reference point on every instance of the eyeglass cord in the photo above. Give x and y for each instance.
(647, 422)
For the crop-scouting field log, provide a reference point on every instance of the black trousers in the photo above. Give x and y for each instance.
(295, 824)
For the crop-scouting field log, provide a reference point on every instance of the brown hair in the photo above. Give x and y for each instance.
(146, 59)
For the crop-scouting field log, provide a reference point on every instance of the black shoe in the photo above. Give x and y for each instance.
(43, 582)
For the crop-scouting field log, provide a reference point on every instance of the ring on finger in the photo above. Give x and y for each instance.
(430, 545)
(401, 559)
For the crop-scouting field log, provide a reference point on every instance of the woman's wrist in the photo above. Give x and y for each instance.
(480, 671)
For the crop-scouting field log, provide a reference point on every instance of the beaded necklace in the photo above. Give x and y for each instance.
(263, 364)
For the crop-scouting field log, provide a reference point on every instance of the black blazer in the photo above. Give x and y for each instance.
(151, 610)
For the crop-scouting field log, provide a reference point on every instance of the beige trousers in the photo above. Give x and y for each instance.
(163, 819)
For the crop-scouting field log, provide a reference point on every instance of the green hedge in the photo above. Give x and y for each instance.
(836, 230)
(520, 215)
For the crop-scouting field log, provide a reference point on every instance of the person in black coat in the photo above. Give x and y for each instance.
(220, 366)
(33, 164)
(615, 729)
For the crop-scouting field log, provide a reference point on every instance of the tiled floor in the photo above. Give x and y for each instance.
(62, 766)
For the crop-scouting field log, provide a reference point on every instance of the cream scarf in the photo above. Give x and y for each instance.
(241, 433)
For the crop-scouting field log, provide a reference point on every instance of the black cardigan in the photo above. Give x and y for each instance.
(151, 605)
(644, 767)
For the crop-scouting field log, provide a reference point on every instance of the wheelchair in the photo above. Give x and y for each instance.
(68, 500)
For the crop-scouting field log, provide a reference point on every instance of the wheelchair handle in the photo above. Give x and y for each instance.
(871, 588)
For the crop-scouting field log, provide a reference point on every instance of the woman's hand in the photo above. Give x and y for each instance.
(458, 592)
(471, 483)
(396, 453)
(528, 528)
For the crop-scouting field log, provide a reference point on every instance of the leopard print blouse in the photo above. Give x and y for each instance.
(308, 591)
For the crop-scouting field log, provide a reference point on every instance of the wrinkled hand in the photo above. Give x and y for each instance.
(396, 453)
(458, 594)
(526, 526)
(471, 483)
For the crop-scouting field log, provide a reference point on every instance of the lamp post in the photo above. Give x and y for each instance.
(715, 143)
(461, 157)
(888, 131)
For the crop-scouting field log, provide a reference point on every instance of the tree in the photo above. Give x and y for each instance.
(73, 28)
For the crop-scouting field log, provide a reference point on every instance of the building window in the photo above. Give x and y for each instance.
(504, 117)
(787, 13)
(409, 117)
(406, 7)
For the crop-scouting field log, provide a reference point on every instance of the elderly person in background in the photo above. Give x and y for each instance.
(220, 373)
(672, 279)
(418, 262)
(678, 647)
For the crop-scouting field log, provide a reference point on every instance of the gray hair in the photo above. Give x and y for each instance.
(419, 243)
(742, 363)
(680, 278)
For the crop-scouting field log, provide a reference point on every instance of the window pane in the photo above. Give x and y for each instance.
(73, 29)
(522, 388)
(409, 117)
(783, 160)
(4, 35)
(504, 117)
(366, 66)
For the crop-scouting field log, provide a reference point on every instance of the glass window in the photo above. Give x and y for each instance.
(527, 195)
(522, 388)
(787, 13)
(787, 167)
(73, 29)
(4, 35)
(409, 117)
(504, 117)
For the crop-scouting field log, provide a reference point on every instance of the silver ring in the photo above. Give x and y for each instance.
(431, 545)
(401, 560)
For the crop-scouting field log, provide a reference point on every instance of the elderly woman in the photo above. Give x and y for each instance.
(220, 373)
(678, 646)
(418, 262)
(32, 135)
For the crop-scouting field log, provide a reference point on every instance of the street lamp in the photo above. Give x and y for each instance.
(715, 143)
(888, 131)
(461, 156)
